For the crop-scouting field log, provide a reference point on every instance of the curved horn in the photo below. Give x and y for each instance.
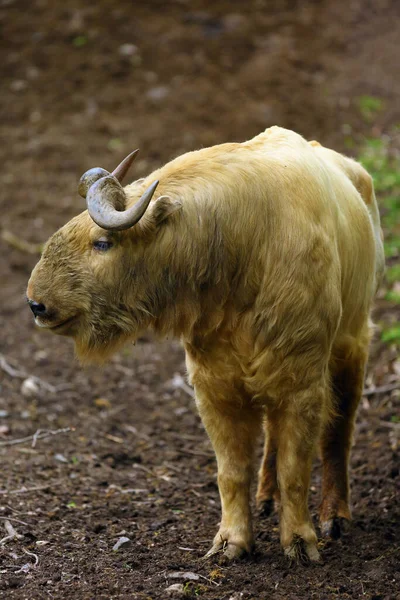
(89, 178)
(106, 194)
(122, 169)
(106, 199)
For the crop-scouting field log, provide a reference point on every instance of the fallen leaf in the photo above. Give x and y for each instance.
(102, 403)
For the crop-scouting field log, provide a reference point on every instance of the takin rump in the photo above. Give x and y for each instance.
(264, 258)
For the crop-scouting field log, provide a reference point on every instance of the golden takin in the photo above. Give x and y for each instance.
(264, 258)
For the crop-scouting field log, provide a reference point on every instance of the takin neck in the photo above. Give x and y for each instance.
(187, 277)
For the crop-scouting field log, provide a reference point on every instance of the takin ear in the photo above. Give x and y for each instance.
(162, 208)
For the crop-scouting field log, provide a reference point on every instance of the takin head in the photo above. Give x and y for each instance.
(92, 281)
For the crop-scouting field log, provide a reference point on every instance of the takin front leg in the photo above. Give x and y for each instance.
(267, 490)
(299, 428)
(347, 382)
(233, 431)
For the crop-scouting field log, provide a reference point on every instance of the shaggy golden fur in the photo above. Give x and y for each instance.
(264, 259)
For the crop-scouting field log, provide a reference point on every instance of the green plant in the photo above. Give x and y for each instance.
(391, 334)
(393, 273)
(79, 41)
(379, 157)
(369, 106)
(384, 166)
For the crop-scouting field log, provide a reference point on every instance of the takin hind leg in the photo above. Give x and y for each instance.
(299, 427)
(233, 430)
(267, 491)
(347, 384)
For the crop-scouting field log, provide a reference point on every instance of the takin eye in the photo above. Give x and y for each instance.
(102, 245)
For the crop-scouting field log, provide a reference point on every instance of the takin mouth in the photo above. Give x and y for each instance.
(59, 326)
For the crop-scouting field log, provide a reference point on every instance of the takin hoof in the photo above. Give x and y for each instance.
(226, 551)
(302, 552)
(265, 508)
(334, 528)
(226, 554)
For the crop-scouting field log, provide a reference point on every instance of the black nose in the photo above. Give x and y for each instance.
(39, 310)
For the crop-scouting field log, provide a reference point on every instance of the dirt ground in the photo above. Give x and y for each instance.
(82, 85)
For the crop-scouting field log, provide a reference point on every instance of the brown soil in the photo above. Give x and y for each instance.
(82, 85)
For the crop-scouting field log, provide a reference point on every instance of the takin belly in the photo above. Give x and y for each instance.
(239, 368)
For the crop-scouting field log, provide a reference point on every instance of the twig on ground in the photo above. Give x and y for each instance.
(7, 368)
(359, 468)
(62, 387)
(11, 531)
(141, 435)
(119, 489)
(12, 534)
(113, 438)
(189, 576)
(22, 245)
(21, 374)
(150, 472)
(172, 467)
(190, 438)
(382, 389)
(24, 569)
(40, 434)
(32, 554)
(387, 553)
(13, 519)
(145, 469)
(195, 452)
(209, 580)
(390, 424)
(15, 511)
(179, 382)
(25, 490)
(124, 370)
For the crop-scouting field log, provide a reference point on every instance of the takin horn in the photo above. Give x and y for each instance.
(106, 198)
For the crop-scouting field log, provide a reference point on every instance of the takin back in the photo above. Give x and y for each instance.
(264, 258)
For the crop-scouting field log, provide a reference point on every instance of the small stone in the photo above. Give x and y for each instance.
(32, 72)
(40, 355)
(176, 589)
(158, 93)
(29, 388)
(127, 49)
(3, 414)
(61, 458)
(18, 85)
(188, 575)
(121, 543)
